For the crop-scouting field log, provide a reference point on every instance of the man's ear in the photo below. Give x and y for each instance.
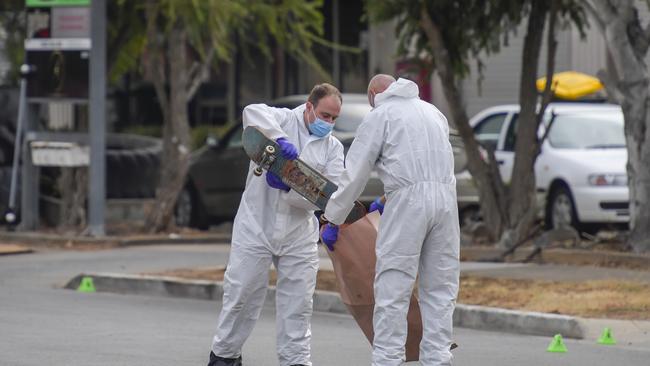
(371, 98)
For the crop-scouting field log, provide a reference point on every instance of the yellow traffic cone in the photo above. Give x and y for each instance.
(557, 345)
(86, 285)
(606, 337)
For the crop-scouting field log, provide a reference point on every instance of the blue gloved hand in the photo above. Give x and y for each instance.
(377, 205)
(289, 151)
(329, 235)
(275, 182)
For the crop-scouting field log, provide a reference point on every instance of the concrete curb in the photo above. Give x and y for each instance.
(469, 316)
(521, 322)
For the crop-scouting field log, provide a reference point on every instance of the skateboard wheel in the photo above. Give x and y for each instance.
(270, 149)
(258, 171)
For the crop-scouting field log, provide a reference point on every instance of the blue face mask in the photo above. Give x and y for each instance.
(319, 127)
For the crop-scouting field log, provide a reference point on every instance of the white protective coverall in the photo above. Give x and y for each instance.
(272, 226)
(407, 140)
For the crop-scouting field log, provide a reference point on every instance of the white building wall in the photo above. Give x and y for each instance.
(502, 71)
(383, 48)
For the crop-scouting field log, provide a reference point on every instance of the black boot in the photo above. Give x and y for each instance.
(220, 361)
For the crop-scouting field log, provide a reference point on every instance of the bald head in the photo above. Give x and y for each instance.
(378, 84)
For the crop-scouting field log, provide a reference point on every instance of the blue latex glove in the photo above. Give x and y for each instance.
(289, 151)
(275, 182)
(377, 205)
(329, 235)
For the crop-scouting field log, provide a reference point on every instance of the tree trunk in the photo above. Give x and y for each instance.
(628, 47)
(176, 134)
(522, 190)
(73, 184)
(491, 190)
(509, 212)
(638, 147)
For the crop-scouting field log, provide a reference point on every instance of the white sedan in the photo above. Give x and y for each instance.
(581, 170)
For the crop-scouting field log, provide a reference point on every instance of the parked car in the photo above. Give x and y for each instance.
(218, 170)
(581, 170)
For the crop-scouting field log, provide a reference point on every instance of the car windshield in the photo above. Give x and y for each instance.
(588, 131)
(351, 116)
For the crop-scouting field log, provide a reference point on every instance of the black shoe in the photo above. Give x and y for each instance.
(220, 361)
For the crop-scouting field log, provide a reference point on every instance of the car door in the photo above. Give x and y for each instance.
(488, 131)
(505, 152)
(220, 175)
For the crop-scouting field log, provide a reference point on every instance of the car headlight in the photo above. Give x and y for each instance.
(608, 179)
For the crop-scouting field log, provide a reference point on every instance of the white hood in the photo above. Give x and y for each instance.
(401, 88)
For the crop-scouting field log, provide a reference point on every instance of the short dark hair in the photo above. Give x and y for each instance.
(321, 91)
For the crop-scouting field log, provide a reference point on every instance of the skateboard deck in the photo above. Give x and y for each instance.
(297, 174)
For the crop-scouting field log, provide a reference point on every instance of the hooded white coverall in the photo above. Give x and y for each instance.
(272, 226)
(407, 140)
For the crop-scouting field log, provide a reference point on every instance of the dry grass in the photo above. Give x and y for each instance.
(593, 299)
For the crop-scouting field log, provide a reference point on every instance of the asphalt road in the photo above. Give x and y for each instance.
(41, 324)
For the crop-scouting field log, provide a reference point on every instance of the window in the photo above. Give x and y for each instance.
(487, 131)
(235, 139)
(511, 135)
(588, 131)
(351, 116)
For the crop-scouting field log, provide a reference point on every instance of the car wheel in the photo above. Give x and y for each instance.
(189, 212)
(561, 210)
(183, 209)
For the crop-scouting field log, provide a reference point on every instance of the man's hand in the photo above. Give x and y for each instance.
(377, 205)
(329, 234)
(288, 151)
(275, 182)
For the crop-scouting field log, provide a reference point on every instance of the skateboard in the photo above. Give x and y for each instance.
(297, 174)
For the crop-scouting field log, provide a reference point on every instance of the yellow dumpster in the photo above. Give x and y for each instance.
(571, 85)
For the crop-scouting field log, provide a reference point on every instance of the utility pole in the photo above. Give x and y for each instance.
(97, 167)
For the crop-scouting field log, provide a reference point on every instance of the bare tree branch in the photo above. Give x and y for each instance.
(548, 128)
(196, 79)
(613, 92)
(194, 69)
(604, 11)
(547, 94)
(596, 15)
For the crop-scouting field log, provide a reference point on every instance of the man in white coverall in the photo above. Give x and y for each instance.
(276, 225)
(407, 140)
